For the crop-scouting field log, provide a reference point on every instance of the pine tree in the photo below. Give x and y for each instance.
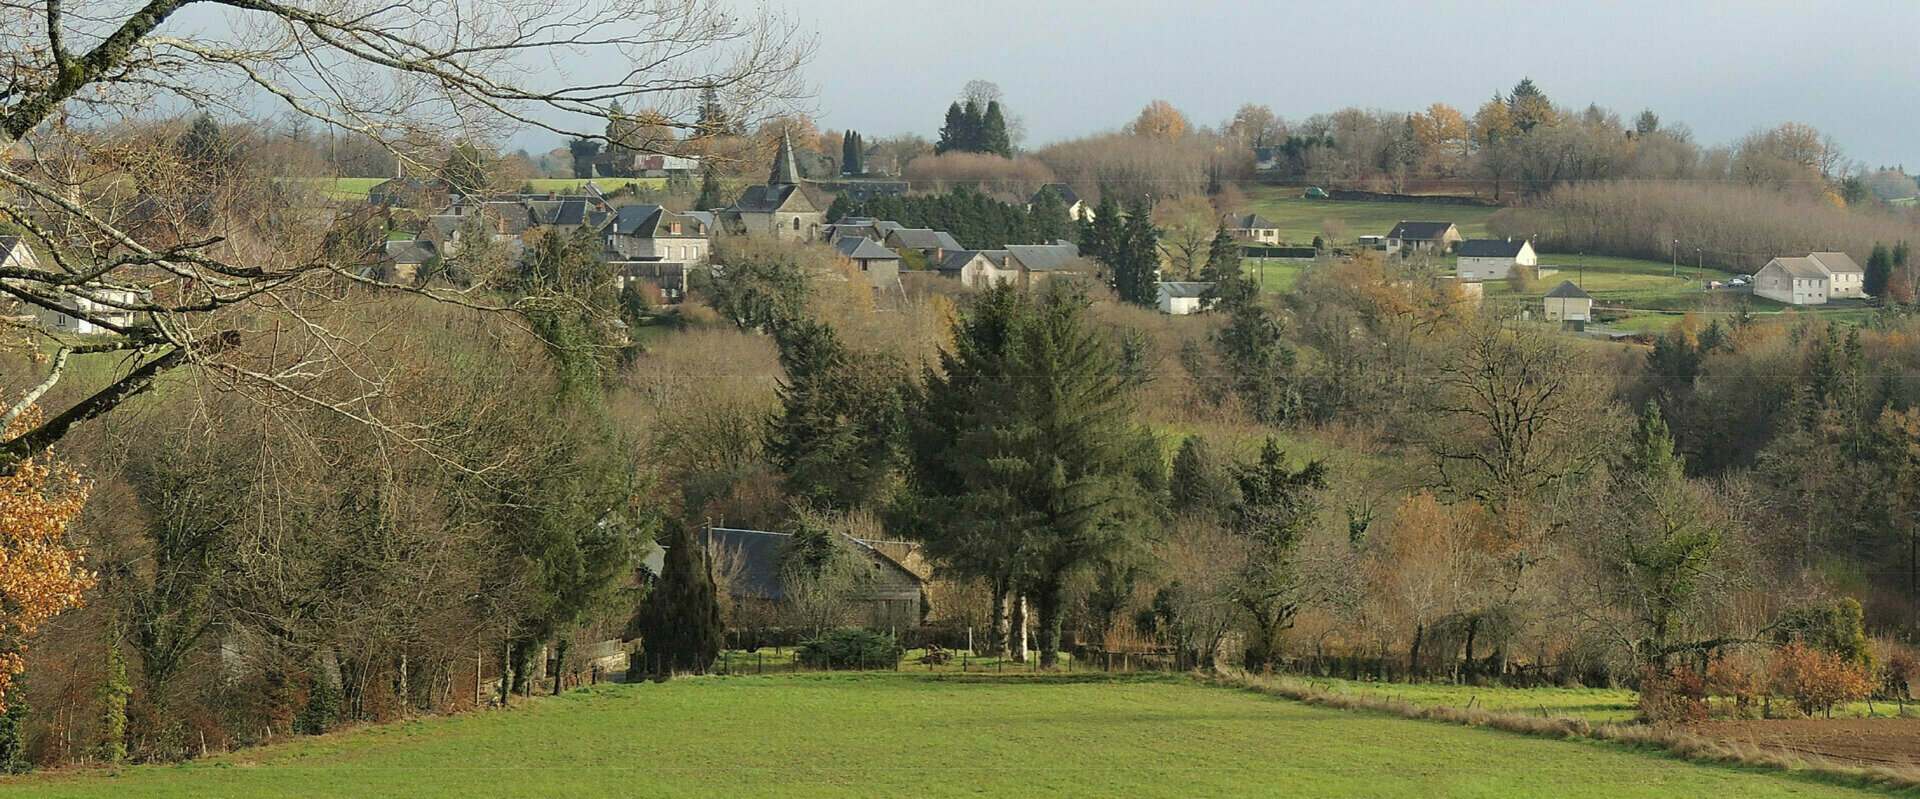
(204, 146)
(993, 134)
(1200, 482)
(1529, 106)
(1231, 285)
(837, 437)
(1102, 236)
(679, 623)
(1259, 365)
(973, 138)
(1137, 257)
(953, 135)
(1049, 217)
(712, 197)
(858, 154)
(1277, 504)
(1879, 271)
(465, 170)
(713, 119)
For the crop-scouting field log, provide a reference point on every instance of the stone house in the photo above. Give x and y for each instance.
(1568, 303)
(1427, 237)
(1812, 280)
(749, 561)
(780, 208)
(81, 315)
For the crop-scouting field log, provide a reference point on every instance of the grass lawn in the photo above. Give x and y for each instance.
(1299, 219)
(887, 735)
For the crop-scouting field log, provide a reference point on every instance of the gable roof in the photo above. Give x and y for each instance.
(767, 198)
(1184, 289)
(1835, 261)
(861, 248)
(1061, 190)
(1420, 231)
(638, 219)
(1491, 248)
(1046, 257)
(958, 259)
(406, 252)
(1248, 222)
(758, 552)
(560, 213)
(7, 243)
(1567, 290)
(1802, 268)
(923, 239)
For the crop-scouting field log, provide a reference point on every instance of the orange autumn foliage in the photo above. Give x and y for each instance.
(40, 576)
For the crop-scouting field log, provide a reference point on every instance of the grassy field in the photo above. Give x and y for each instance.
(1300, 219)
(887, 735)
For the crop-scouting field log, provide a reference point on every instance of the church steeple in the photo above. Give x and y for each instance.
(785, 171)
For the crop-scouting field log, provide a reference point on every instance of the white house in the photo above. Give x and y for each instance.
(980, 268)
(1077, 209)
(1811, 280)
(77, 314)
(1182, 298)
(1424, 236)
(1493, 259)
(1252, 227)
(1568, 303)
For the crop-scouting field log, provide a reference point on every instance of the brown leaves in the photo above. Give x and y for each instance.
(40, 576)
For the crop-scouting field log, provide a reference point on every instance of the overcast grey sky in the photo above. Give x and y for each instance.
(1071, 67)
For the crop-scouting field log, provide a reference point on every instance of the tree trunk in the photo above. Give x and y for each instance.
(997, 628)
(1473, 628)
(560, 648)
(1017, 631)
(1050, 601)
(1413, 652)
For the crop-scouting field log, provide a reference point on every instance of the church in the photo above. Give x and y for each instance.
(780, 207)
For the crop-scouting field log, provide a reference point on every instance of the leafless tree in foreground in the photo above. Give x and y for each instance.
(204, 257)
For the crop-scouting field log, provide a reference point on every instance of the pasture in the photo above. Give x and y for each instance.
(886, 734)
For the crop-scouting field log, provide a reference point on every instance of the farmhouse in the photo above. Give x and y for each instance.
(1252, 227)
(1811, 280)
(1493, 259)
(1077, 209)
(749, 562)
(780, 207)
(1182, 298)
(980, 268)
(101, 304)
(934, 244)
(880, 265)
(1424, 236)
(1568, 303)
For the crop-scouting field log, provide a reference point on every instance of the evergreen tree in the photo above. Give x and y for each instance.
(583, 151)
(993, 132)
(841, 208)
(204, 146)
(1200, 482)
(836, 439)
(1529, 106)
(465, 170)
(1231, 285)
(1137, 257)
(1050, 218)
(953, 135)
(1102, 239)
(974, 133)
(621, 132)
(679, 623)
(713, 119)
(1879, 270)
(712, 196)
(1277, 503)
(849, 144)
(1025, 452)
(1259, 365)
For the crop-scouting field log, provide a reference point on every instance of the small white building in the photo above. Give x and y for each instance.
(1811, 280)
(1493, 259)
(1252, 227)
(1182, 298)
(1077, 209)
(1568, 303)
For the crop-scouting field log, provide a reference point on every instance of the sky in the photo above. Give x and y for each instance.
(1073, 67)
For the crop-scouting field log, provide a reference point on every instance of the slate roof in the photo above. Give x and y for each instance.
(560, 213)
(785, 171)
(446, 224)
(508, 217)
(759, 559)
(861, 248)
(765, 198)
(705, 218)
(1568, 291)
(1491, 248)
(7, 243)
(1046, 257)
(923, 239)
(408, 252)
(649, 221)
(1248, 222)
(1184, 289)
(957, 259)
(1836, 261)
(1061, 190)
(1805, 268)
(1419, 231)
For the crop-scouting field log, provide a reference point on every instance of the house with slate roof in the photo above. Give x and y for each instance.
(1183, 297)
(1568, 303)
(1428, 237)
(1811, 280)
(1493, 259)
(750, 562)
(1252, 227)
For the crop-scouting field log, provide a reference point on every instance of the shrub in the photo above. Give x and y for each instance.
(1677, 697)
(1834, 627)
(1817, 680)
(850, 648)
(1897, 672)
(1740, 679)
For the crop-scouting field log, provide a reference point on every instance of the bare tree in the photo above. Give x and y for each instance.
(177, 262)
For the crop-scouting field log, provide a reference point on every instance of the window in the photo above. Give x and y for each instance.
(796, 223)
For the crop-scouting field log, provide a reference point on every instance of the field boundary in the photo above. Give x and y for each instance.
(1679, 743)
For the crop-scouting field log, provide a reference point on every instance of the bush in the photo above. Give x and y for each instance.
(850, 648)
(1677, 697)
(1817, 680)
(1740, 679)
(1898, 669)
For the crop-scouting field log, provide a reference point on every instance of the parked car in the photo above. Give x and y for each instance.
(1715, 284)
(1738, 281)
(1315, 193)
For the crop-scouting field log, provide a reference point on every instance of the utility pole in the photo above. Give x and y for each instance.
(1675, 251)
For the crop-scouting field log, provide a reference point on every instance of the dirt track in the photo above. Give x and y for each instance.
(1873, 742)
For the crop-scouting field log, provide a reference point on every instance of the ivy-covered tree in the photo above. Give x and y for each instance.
(205, 146)
(465, 170)
(583, 151)
(1277, 503)
(1257, 362)
(712, 196)
(836, 439)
